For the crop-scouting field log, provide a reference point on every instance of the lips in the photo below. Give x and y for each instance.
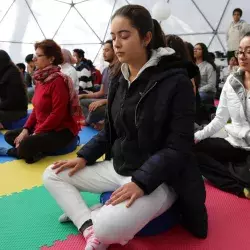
(119, 53)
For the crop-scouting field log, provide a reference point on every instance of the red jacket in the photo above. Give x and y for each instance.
(51, 108)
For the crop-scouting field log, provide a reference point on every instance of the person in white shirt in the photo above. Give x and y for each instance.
(68, 69)
(224, 158)
(237, 29)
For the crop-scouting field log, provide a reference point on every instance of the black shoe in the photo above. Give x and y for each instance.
(35, 158)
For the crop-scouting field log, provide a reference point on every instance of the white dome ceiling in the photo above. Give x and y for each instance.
(85, 23)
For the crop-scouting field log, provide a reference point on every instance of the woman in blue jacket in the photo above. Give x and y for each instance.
(148, 133)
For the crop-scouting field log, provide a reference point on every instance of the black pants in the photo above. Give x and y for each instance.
(10, 116)
(35, 147)
(214, 156)
(230, 54)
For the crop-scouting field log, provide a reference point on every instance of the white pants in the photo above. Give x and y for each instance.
(112, 224)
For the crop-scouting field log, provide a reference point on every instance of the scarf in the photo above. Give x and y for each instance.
(50, 73)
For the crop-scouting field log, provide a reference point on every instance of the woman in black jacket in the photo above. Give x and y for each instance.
(149, 134)
(13, 97)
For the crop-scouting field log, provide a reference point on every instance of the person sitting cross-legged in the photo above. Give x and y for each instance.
(94, 104)
(56, 116)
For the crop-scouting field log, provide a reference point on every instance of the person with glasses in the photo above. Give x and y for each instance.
(224, 157)
(56, 116)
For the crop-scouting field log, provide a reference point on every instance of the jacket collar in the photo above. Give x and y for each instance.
(156, 56)
(236, 81)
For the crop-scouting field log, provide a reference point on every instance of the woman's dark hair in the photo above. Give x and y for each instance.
(5, 60)
(177, 44)
(141, 20)
(21, 66)
(80, 53)
(239, 11)
(205, 54)
(51, 49)
(190, 49)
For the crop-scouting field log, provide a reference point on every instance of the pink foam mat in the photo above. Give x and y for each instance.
(229, 224)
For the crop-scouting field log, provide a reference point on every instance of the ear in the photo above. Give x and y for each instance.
(52, 59)
(147, 39)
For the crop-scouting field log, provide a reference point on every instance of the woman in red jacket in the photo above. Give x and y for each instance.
(55, 119)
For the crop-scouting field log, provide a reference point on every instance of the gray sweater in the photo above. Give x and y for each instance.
(208, 77)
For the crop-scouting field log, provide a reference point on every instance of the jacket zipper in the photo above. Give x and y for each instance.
(245, 94)
(108, 113)
(136, 108)
(110, 139)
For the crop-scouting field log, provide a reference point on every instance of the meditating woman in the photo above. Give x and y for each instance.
(56, 116)
(207, 88)
(13, 95)
(148, 128)
(225, 161)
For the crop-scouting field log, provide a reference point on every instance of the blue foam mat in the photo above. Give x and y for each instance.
(4, 144)
(85, 135)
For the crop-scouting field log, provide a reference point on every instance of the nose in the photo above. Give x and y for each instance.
(116, 43)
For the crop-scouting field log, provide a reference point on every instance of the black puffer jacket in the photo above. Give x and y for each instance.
(13, 95)
(150, 131)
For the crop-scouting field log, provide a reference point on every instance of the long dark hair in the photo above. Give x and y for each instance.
(205, 54)
(190, 49)
(141, 19)
(5, 63)
(178, 45)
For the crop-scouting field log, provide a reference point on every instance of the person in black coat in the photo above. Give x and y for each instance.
(147, 139)
(13, 96)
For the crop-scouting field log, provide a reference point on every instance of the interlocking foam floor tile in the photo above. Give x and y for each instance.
(29, 220)
(4, 144)
(17, 175)
(85, 135)
(229, 220)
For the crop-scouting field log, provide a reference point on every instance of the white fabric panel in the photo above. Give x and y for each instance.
(86, 23)
(48, 19)
(194, 39)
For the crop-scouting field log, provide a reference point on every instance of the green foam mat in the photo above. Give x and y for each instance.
(29, 220)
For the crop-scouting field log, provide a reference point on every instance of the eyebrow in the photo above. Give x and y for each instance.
(120, 31)
(247, 47)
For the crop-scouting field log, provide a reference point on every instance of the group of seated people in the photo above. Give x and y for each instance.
(148, 95)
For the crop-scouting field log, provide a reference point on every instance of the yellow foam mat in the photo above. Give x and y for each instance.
(17, 175)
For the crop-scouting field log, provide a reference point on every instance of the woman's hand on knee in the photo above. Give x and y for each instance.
(22, 135)
(75, 165)
(129, 191)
